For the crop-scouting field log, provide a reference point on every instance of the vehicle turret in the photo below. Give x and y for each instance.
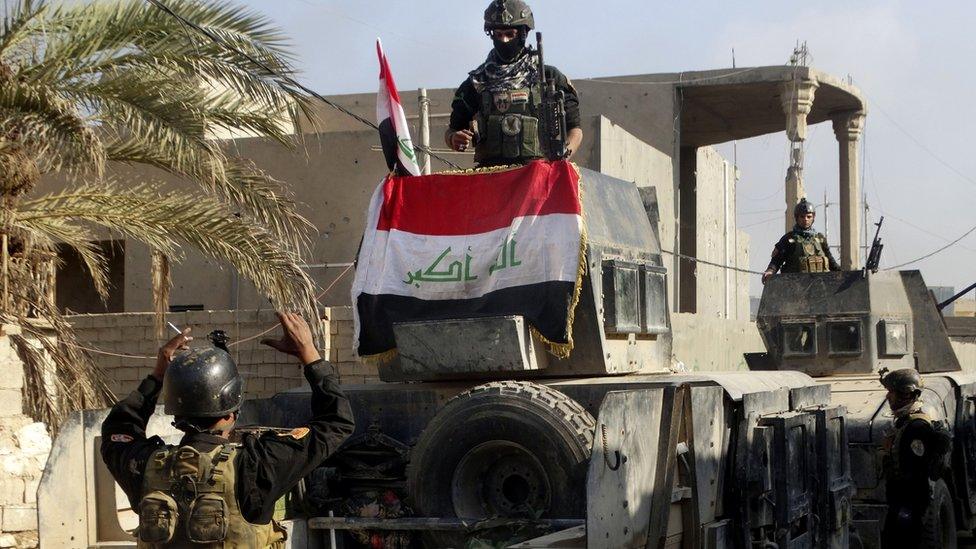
(851, 323)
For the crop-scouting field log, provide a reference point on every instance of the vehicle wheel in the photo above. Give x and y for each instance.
(939, 520)
(509, 449)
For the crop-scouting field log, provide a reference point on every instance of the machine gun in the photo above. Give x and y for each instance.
(552, 119)
(874, 257)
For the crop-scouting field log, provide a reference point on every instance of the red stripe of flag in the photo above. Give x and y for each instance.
(449, 204)
(386, 75)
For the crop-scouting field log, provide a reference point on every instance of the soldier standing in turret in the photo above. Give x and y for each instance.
(802, 250)
(497, 108)
(915, 458)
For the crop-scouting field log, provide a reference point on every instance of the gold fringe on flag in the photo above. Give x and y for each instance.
(562, 350)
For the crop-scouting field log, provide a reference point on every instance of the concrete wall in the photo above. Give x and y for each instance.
(266, 371)
(965, 307)
(720, 293)
(706, 343)
(966, 353)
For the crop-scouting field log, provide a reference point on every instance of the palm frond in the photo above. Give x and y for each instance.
(167, 220)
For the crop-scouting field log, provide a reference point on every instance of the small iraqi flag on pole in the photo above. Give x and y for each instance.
(394, 132)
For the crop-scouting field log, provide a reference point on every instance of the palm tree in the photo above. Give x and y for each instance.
(86, 88)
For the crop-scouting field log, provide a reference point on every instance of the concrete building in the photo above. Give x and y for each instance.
(656, 130)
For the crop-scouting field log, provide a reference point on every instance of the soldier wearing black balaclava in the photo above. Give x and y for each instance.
(497, 108)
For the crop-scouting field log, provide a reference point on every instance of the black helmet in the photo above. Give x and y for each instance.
(202, 383)
(903, 381)
(508, 13)
(803, 208)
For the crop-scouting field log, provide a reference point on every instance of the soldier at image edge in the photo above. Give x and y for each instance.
(915, 454)
(497, 108)
(802, 250)
(207, 489)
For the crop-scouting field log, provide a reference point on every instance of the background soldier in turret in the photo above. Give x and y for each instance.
(206, 491)
(497, 109)
(802, 250)
(915, 460)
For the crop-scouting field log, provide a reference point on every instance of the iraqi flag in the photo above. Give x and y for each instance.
(467, 245)
(394, 132)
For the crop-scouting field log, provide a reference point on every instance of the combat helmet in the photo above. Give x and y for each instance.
(904, 381)
(508, 13)
(803, 208)
(202, 383)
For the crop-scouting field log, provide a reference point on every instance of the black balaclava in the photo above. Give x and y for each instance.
(509, 51)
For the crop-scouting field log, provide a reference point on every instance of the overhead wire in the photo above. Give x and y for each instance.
(285, 78)
(232, 344)
(930, 254)
(712, 263)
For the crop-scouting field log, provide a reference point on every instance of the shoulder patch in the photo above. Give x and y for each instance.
(121, 438)
(297, 434)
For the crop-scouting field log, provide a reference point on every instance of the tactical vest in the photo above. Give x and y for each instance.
(806, 255)
(189, 501)
(508, 124)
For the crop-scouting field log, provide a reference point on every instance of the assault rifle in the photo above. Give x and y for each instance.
(874, 257)
(552, 122)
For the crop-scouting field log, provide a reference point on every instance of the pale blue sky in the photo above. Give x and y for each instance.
(914, 61)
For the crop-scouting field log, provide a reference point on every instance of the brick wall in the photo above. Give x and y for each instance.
(267, 372)
(24, 447)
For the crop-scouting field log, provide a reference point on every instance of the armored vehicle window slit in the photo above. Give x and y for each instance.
(799, 339)
(844, 337)
(654, 299)
(621, 297)
(893, 336)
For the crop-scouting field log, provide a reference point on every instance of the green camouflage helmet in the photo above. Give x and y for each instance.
(903, 381)
(803, 208)
(508, 13)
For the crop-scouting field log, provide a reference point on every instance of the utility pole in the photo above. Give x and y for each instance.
(867, 212)
(424, 130)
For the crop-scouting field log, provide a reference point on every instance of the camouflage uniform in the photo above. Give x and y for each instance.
(503, 96)
(206, 491)
(802, 251)
(915, 453)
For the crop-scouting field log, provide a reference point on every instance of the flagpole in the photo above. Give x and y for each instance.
(424, 122)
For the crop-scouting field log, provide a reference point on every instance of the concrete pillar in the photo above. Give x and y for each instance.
(794, 192)
(796, 98)
(847, 128)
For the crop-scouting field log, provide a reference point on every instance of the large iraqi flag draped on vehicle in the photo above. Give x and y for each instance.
(472, 244)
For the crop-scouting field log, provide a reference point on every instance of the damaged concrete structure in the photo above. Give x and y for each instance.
(656, 130)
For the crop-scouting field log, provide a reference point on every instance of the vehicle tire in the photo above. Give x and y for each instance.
(510, 449)
(938, 528)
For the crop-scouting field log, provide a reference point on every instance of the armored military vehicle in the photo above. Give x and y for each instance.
(842, 328)
(478, 433)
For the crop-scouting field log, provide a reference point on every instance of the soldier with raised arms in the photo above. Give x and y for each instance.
(206, 491)
(497, 109)
(802, 250)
